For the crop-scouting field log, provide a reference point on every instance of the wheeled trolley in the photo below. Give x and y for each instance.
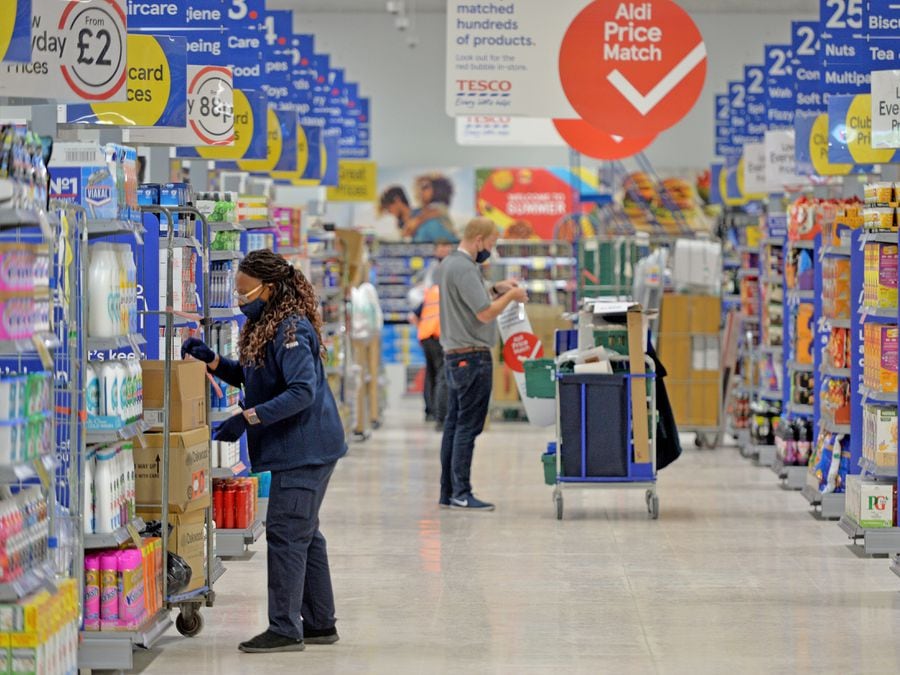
(596, 444)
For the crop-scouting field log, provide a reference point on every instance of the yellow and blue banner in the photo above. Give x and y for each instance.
(15, 30)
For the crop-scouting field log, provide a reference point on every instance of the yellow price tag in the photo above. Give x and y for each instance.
(416, 264)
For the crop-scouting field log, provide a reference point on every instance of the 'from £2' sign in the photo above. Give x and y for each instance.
(632, 68)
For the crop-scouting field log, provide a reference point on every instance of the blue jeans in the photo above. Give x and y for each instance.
(469, 381)
(299, 576)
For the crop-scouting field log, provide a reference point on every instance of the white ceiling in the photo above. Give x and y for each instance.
(746, 6)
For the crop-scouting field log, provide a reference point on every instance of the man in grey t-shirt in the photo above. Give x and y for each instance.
(468, 331)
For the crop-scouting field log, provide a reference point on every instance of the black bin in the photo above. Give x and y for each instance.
(603, 402)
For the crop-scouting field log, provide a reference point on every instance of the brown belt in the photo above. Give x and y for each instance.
(468, 350)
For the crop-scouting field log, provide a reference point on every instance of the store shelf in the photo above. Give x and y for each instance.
(17, 218)
(770, 394)
(93, 542)
(882, 314)
(768, 279)
(15, 348)
(836, 251)
(765, 454)
(731, 299)
(800, 367)
(538, 262)
(830, 371)
(801, 409)
(224, 312)
(843, 429)
(868, 394)
(32, 580)
(747, 318)
(830, 506)
(228, 471)
(17, 472)
(801, 296)
(234, 543)
(226, 226)
(125, 433)
(879, 237)
(258, 225)
(804, 244)
(774, 241)
(838, 323)
(114, 650)
(744, 274)
(895, 565)
(106, 228)
(222, 415)
(218, 256)
(95, 344)
(868, 467)
(792, 477)
(180, 242)
(874, 541)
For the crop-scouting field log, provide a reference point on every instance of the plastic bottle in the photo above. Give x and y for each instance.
(109, 591)
(92, 392)
(228, 505)
(123, 376)
(92, 592)
(103, 278)
(88, 516)
(103, 491)
(131, 591)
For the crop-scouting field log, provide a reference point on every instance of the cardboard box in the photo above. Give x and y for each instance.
(190, 484)
(640, 416)
(504, 387)
(545, 321)
(870, 504)
(187, 539)
(705, 314)
(675, 314)
(675, 354)
(188, 395)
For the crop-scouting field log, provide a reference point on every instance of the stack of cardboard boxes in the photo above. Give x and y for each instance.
(190, 485)
(689, 350)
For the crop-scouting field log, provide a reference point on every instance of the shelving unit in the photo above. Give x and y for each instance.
(234, 544)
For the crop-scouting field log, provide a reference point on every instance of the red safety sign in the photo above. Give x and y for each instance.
(521, 347)
(633, 69)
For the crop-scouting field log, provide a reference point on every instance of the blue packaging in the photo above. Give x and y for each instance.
(172, 194)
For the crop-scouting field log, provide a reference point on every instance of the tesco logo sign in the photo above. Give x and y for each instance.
(483, 86)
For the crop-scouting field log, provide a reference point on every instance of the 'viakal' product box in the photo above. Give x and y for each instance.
(101, 179)
(870, 504)
(190, 485)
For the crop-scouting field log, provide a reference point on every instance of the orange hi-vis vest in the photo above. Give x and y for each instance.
(430, 321)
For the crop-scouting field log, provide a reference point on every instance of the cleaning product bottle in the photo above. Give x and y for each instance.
(88, 516)
(103, 491)
(131, 591)
(92, 591)
(109, 591)
(92, 391)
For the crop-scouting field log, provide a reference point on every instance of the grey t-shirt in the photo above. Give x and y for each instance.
(463, 296)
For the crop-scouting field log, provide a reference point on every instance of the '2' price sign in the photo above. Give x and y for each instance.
(78, 53)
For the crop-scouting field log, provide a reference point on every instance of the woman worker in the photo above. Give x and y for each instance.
(294, 431)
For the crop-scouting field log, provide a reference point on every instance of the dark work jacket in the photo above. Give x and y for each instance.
(300, 425)
(668, 445)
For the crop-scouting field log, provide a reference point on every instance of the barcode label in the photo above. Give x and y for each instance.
(153, 417)
(79, 156)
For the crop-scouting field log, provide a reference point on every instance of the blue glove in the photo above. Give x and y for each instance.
(231, 429)
(198, 349)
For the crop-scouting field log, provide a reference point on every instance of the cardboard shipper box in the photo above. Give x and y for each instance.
(189, 471)
(188, 394)
(187, 539)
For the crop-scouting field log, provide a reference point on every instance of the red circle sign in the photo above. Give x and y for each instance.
(521, 347)
(593, 142)
(633, 68)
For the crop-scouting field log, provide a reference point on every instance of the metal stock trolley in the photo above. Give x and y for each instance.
(595, 440)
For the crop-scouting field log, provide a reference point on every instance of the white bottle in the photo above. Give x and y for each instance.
(103, 277)
(92, 393)
(103, 491)
(110, 393)
(88, 494)
(124, 391)
(129, 269)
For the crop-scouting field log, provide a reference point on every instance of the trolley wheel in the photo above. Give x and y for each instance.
(653, 504)
(705, 441)
(558, 500)
(189, 622)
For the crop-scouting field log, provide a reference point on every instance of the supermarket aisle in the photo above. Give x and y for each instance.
(735, 577)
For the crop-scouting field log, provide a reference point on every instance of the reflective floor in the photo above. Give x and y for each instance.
(735, 577)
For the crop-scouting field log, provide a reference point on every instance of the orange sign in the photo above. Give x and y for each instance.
(519, 348)
(591, 141)
(633, 68)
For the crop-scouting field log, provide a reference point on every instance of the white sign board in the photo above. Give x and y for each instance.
(755, 169)
(886, 109)
(781, 161)
(78, 51)
(500, 130)
(210, 103)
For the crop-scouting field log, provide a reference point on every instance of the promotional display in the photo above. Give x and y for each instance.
(15, 33)
(78, 53)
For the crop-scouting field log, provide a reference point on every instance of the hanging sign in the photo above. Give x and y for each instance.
(629, 68)
(722, 125)
(15, 30)
(598, 144)
(779, 87)
(153, 15)
(886, 109)
(506, 130)
(357, 182)
(156, 88)
(754, 169)
(819, 140)
(78, 53)
(210, 108)
(849, 122)
(781, 160)
(755, 102)
(844, 52)
(883, 19)
(250, 130)
(859, 133)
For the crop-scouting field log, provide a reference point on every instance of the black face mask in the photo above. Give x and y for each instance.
(253, 310)
(482, 256)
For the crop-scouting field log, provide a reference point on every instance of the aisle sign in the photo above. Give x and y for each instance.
(15, 30)
(819, 141)
(848, 127)
(754, 168)
(807, 66)
(153, 15)
(780, 96)
(78, 53)
(250, 130)
(883, 19)
(755, 102)
(210, 108)
(886, 109)
(357, 182)
(844, 52)
(859, 133)
(629, 68)
(156, 88)
(781, 161)
(803, 129)
(355, 142)
(722, 125)
(737, 106)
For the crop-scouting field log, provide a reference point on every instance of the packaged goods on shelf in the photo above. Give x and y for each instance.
(187, 394)
(880, 277)
(225, 455)
(187, 539)
(109, 488)
(256, 241)
(184, 276)
(218, 207)
(836, 401)
(880, 347)
(40, 634)
(289, 223)
(123, 588)
(802, 221)
(26, 405)
(112, 289)
(221, 283)
(189, 469)
(880, 437)
(803, 333)
(803, 388)
(881, 193)
(880, 219)
(765, 417)
(836, 288)
(100, 179)
(793, 441)
(871, 504)
(22, 171)
(830, 463)
(838, 349)
(697, 266)
(235, 503)
(114, 395)
(24, 534)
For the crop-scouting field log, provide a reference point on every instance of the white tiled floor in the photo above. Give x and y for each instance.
(735, 577)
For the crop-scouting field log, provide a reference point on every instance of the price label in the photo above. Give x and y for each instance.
(211, 105)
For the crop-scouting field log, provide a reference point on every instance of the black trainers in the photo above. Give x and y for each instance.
(470, 503)
(327, 636)
(267, 642)
(444, 502)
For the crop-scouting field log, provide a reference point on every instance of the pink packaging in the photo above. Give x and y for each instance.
(92, 592)
(16, 318)
(131, 588)
(17, 268)
(109, 591)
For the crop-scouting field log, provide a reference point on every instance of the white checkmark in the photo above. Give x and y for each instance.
(644, 104)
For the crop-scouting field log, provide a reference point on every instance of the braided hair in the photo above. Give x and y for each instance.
(292, 295)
